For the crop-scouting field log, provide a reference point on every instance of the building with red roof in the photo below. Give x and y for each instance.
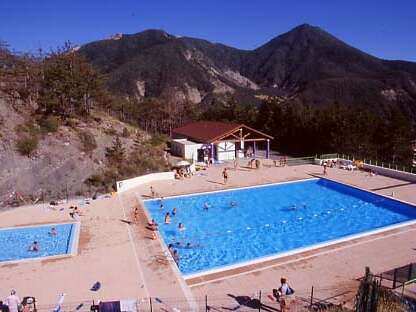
(217, 141)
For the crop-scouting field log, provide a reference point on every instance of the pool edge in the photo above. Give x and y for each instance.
(74, 242)
(299, 250)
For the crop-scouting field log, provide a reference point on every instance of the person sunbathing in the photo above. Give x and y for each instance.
(152, 225)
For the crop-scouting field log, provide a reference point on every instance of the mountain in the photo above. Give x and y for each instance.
(306, 65)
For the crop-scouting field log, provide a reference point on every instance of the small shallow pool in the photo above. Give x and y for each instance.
(15, 242)
(246, 224)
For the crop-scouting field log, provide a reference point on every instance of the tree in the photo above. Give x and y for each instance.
(69, 85)
(116, 153)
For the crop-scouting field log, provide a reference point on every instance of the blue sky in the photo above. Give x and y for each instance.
(383, 28)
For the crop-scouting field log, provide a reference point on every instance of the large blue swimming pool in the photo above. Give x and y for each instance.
(244, 224)
(15, 242)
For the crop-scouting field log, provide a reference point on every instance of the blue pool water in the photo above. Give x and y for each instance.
(15, 242)
(268, 220)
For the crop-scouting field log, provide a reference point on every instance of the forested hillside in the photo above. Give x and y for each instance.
(61, 131)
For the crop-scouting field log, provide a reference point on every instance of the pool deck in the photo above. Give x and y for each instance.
(130, 265)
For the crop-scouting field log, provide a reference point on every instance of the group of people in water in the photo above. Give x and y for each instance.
(35, 247)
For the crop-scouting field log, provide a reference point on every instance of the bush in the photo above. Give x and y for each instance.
(29, 128)
(26, 145)
(158, 139)
(125, 133)
(48, 124)
(110, 131)
(94, 180)
(88, 143)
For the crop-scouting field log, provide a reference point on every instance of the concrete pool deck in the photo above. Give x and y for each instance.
(130, 265)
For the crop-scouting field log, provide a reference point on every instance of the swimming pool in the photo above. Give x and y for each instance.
(270, 220)
(15, 242)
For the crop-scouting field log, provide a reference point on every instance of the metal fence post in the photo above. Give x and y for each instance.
(260, 301)
(206, 303)
(151, 305)
(311, 298)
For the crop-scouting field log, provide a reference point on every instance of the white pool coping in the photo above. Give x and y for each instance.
(72, 248)
(233, 189)
(297, 250)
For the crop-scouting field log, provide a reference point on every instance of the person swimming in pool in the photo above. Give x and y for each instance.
(34, 247)
(233, 203)
(53, 232)
(176, 257)
(206, 206)
(181, 227)
(174, 212)
(167, 218)
(171, 249)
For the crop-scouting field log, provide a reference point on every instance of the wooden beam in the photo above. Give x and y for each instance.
(248, 140)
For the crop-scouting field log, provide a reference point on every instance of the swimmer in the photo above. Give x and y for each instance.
(53, 232)
(233, 203)
(167, 218)
(176, 257)
(181, 227)
(206, 206)
(174, 212)
(161, 206)
(191, 246)
(34, 246)
(171, 249)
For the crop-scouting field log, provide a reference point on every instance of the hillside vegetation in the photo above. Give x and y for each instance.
(314, 93)
(59, 131)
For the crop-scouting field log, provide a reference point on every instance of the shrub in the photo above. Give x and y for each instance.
(48, 124)
(88, 143)
(125, 133)
(26, 145)
(158, 139)
(94, 180)
(110, 131)
(29, 128)
(72, 122)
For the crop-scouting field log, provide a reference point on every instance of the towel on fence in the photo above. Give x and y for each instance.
(110, 306)
(129, 305)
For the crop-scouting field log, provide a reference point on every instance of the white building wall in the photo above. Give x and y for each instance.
(226, 151)
(191, 151)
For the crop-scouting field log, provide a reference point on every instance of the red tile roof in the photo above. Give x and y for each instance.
(208, 131)
(205, 131)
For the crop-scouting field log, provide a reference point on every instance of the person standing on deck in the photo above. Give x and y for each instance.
(225, 175)
(13, 301)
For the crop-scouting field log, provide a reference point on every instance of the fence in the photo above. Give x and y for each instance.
(300, 161)
(261, 300)
(381, 164)
(373, 296)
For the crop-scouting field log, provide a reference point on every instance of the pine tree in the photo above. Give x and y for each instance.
(116, 153)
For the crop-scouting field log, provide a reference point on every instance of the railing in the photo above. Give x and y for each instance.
(328, 156)
(300, 161)
(304, 300)
(381, 164)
